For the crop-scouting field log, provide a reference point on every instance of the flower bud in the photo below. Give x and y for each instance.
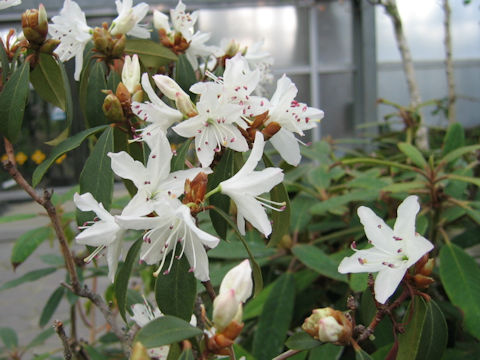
(195, 190)
(225, 308)
(422, 281)
(112, 108)
(102, 40)
(185, 106)
(328, 325)
(139, 352)
(160, 21)
(119, 46)
(122, 93)
(49, 46)
(239, 279)
(271, 129)
(137, 96)
(131, 72)
(35, 25)
(169, 87)
(427, 268)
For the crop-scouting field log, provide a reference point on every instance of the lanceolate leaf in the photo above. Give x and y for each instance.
(280, 219)
(413, 154)
(94, 95)
(455, 154)
(13, 99)
(454, 138)
(97, 175)
(317, 260)
(223, 171)
(301, 341)
(165, 330)
(275, 319)
(184, 74)
(460, 276)
(16, 217)
(175, 292)
(9, 337)
(51, 305)
(65, 146)
(26, 244)
(425, 337)
(151, 54)
(257, 272)
(47, 80)
(30, 276)
(123, 276)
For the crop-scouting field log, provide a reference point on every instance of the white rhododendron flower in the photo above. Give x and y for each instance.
(128, 18)
(245, 187)
(102, 233)
(131, 73)
(393, 251)
(173, 228)
(214, 126)
(8, 3)
(293, 117)
(70, 27)
(182, 21)
(156, 113)
(154, 180)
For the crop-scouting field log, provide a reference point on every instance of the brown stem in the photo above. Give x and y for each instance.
(231, 353)
(82, 315)
(9, 151)
(210, 290)
(67, 351)
(449, 63)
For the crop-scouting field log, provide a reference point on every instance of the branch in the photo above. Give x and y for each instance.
(67, 351)
(449, 63)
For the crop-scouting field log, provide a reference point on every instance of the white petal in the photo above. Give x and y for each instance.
(377, 231)
(239, 278)
(416, 248)
(197, 258)
(114, 251)
(287, 146)
(203, 237)
(387, 282)
(406, 213)
(100, 233)
(175, 182)
(369, 260)
(253, 212)
(127, 168)
(254, 158)
(86, 202)
(189, 128)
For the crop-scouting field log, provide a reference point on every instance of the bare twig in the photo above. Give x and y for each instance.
(449, 63)
(286, 354)
(210, 290)
(67, 351)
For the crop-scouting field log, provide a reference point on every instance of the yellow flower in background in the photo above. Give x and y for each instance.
(4, 157)
(60, 159)
(38, 156)
(20, 158)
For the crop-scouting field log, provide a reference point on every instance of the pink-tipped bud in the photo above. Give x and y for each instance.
(239, 279)
(329, 325)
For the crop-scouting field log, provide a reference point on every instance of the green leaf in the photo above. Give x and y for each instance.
(178, 161)
(9, 337)
(13, 99)
(151, 54)
(466, 179)
(51, 305)
(4, 63)
(257, 272)
(413, 154)
(65, 146)
(454, 138)
(123, 275)
(223, 171)
(455, 154)
(425, 337)
(335, 202)
(280, 219)
(460, 276)
(275, 319)
(186, 355)
(300, 214)
(113, 80)
(319, 177)
(315, 259)
(388, 163)
(326, 351)
(94, 95)
(30, 276)
(175, 292)
(361, 355)
(165, 330)
(404, 187)
(358, 282)
(185, 75)
(16, 217)
(47, 80)
(42, 337)
(301, 341)
(97, 175)
(26, 244)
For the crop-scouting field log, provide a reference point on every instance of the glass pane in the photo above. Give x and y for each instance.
(334, 34)
(283, 30)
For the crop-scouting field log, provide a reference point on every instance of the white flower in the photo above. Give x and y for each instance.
(154, 180)
(160, 21)
(131, 73)
(159, 115)
(292, 116)
(393, 251)
(198, 48)
(103, 233)
(128, 18)
(70, 27)
(182, 21)
(238, 279)
(214, 126)
(7, 3)
(245, 186)
(142, 315)
(173, 227)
